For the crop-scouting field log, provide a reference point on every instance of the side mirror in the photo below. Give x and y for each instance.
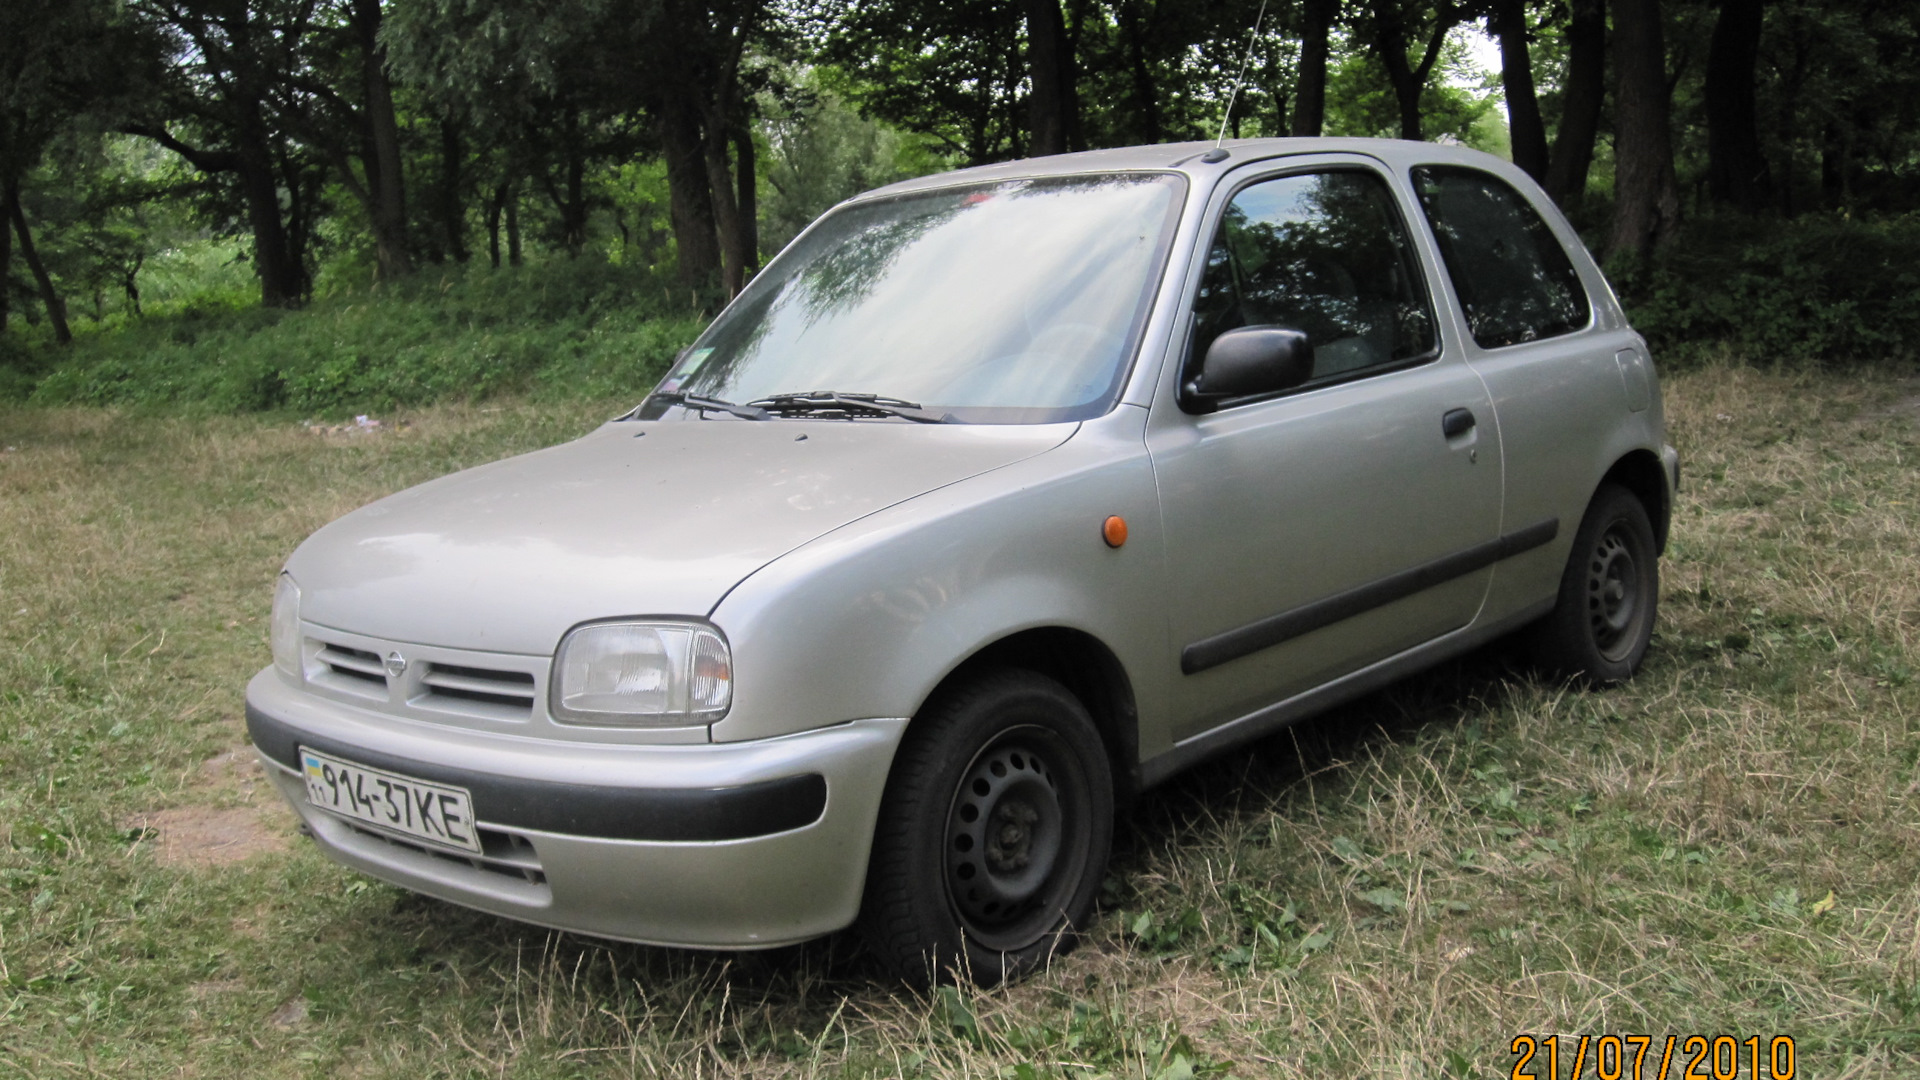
(1246, 361)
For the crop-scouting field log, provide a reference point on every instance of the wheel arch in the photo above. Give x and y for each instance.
(1089, 669)
(1641, 473)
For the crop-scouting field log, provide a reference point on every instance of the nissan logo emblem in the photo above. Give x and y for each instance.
(396, 664)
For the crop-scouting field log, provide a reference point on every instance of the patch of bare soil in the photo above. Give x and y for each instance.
(238, 770)
(203, 836)
(290, 1015)
(200, 991)
(1907, 404)
(200, 836)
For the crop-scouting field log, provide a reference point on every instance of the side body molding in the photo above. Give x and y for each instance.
(1245, 640)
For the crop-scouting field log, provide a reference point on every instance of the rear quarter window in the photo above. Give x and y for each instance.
(1514, 280)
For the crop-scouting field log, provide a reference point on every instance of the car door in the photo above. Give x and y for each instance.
(1563, 371)
(1315, 531)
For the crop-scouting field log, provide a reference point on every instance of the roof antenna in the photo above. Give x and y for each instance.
(1252, 36)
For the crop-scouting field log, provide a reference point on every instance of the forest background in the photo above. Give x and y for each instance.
(339, 205)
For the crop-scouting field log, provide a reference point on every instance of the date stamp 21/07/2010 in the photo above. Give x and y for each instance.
(1648, 1057)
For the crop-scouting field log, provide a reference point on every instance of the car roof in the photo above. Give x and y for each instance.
(1191, 159)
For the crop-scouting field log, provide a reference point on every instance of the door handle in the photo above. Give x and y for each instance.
(1456, 423)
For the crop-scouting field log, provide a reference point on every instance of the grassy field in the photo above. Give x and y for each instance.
(1729, 846)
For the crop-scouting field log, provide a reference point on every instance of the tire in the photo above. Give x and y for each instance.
(993, 833)
(1598, 631)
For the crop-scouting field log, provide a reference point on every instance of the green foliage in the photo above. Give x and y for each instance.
(568, 328)
(1820, 288)
(820, 152)
(1360, 100)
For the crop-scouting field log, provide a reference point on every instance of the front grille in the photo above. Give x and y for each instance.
(443, 685)
(351, 670)
(353, 663)
(502, 694)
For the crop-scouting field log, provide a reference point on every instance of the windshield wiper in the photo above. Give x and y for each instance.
(713, 404)
(814, 402)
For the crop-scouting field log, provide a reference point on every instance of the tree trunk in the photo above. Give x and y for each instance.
(1586, 90)
(1736, 169)
(513, 225)
(494, 206)
(689, 203)
(1145, 95)
(1646, 208)
(1406, 92)
(273, 260)
(385, 186)
(569, 198)
(1310, 94)
(746, 171)
(453, 215)
(130, 282)
(6, 264)
(1833, 166)
(56, 310)
(1787, 127)
(726, 205)
(576, 202)
(1050, 104)
(1529, 133)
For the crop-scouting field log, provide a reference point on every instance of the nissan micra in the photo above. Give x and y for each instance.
(997, 498)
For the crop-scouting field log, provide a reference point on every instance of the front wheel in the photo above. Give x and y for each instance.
(993, 834)
(1600, 626)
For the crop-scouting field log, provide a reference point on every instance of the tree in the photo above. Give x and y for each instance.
(1391, 26)
(58, 58)
(1310, 93)
(1508, 21)
(1736, 168)
(1646, 208)
(1580, 104)
(584, 83)
(948, 70)
(371, 128)
(223, 102)
(1052, 103)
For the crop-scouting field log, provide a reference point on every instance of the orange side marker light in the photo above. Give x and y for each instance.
(1114, 531)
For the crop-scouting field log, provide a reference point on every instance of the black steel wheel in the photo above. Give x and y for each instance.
(1609, 594)
(993, 833)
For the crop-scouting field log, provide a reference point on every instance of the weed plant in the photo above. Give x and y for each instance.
(1724, 846)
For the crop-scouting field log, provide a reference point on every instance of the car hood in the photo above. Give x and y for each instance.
(636, 518)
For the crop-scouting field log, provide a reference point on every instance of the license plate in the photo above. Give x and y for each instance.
(435, 813)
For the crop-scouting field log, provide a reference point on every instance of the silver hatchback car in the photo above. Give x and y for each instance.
(998, 497)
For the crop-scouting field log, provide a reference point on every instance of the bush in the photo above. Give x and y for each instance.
(1820, 288)
(568, 328)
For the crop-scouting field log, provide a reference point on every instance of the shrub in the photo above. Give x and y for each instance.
(1821, 288)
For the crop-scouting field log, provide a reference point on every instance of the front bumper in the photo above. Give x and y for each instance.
(731, 845)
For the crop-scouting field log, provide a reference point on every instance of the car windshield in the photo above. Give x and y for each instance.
(1014, 302)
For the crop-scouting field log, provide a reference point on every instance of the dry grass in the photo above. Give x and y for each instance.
(1727, 846)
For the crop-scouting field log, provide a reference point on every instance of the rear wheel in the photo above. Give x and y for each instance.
(1609, 593)
(993, 834)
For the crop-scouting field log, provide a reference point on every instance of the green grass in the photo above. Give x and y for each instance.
(1726, 846)
(565, 329)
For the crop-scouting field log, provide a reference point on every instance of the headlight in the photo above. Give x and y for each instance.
(661, 674)
(283, 631)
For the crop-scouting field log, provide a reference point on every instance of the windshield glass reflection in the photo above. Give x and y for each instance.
(1017, 302)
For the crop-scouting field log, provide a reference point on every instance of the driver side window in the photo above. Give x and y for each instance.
(1324, 253)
